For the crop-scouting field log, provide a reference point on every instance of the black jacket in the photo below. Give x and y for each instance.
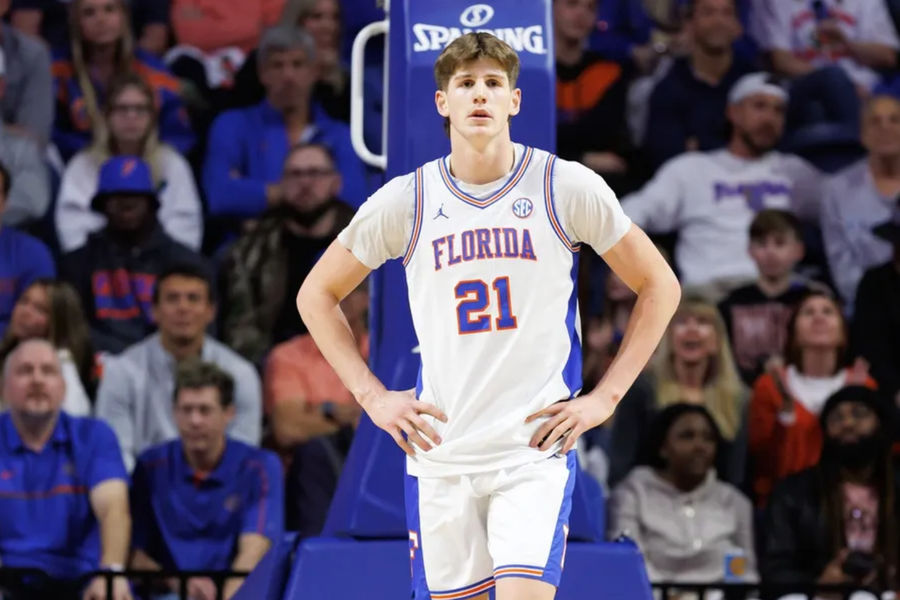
(797, 545)
(115, 283)
(876, 325)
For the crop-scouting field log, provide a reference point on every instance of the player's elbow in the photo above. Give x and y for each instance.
(306, 301)
(665, 286)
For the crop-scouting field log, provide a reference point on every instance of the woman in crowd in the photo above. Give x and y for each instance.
(129, 127)
(693, 365)
(322, 20)
(102, 47)
(687, 523)
(51, 310)
(784, 432)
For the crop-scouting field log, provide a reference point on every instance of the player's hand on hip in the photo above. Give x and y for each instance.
(399, 413)
(570, 419)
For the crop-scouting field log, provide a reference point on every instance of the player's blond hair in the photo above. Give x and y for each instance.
(470, 47)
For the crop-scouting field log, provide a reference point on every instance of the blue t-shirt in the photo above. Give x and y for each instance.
(22, 260)
(246, 152)
(46, 520)
(184, 520)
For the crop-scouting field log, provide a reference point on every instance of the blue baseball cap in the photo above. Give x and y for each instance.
(126, 176)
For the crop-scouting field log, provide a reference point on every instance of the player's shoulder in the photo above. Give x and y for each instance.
(401, 185)
(571, 178)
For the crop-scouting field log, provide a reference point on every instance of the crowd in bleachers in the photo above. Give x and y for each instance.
(172, 169)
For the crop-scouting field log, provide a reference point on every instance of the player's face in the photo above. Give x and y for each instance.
(776, 254)
(201, 419)
(759, 121)
(478, 100)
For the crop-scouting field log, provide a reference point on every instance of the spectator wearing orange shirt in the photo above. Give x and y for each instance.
(784, 432)
(313, 416)
(590, 95)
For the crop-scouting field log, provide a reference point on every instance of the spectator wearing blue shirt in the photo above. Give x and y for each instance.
(247, 147)
(22, 259)
(63, 490)
(204, 501)
(687, 106)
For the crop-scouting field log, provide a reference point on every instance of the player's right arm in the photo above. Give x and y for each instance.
(379, 231)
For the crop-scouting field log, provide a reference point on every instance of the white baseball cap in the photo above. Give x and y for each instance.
(756, 83)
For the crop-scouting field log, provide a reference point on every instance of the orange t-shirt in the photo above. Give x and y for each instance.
(296, 369)
(211, 25)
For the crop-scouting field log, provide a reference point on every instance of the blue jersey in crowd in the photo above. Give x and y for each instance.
(46, 520)
(187, 520)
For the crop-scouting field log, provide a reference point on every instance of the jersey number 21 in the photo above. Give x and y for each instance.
(473, 310)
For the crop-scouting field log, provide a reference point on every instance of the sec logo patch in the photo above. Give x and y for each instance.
(522, 208)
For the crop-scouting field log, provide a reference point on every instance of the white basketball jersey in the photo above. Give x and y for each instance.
(493, 297)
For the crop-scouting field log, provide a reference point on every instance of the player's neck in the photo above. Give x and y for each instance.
(477, 165)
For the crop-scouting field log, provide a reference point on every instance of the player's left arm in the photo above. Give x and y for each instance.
(639, 264)
(643, 269)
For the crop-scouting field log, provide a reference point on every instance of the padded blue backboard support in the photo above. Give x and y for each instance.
(369, 499)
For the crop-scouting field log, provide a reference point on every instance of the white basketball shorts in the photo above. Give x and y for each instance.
(466, 532)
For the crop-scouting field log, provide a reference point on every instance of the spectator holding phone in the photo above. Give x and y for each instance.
(836, 523)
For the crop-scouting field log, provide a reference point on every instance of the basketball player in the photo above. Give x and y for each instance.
(489, 236)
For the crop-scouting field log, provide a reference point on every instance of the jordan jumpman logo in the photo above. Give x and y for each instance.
(440, 213)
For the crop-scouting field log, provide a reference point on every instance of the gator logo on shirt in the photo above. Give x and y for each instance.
(128, 166)
(232, 503)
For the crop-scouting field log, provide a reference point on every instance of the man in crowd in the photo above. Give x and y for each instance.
(63, 487)
(835, 523)
(265, 267)
(205, 501)
(862, 196)
(687, 106)
(710, 198)
(115, 270)
(135, 394)
(247, 146)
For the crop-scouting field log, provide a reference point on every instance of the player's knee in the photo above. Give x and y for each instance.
(518, 588)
